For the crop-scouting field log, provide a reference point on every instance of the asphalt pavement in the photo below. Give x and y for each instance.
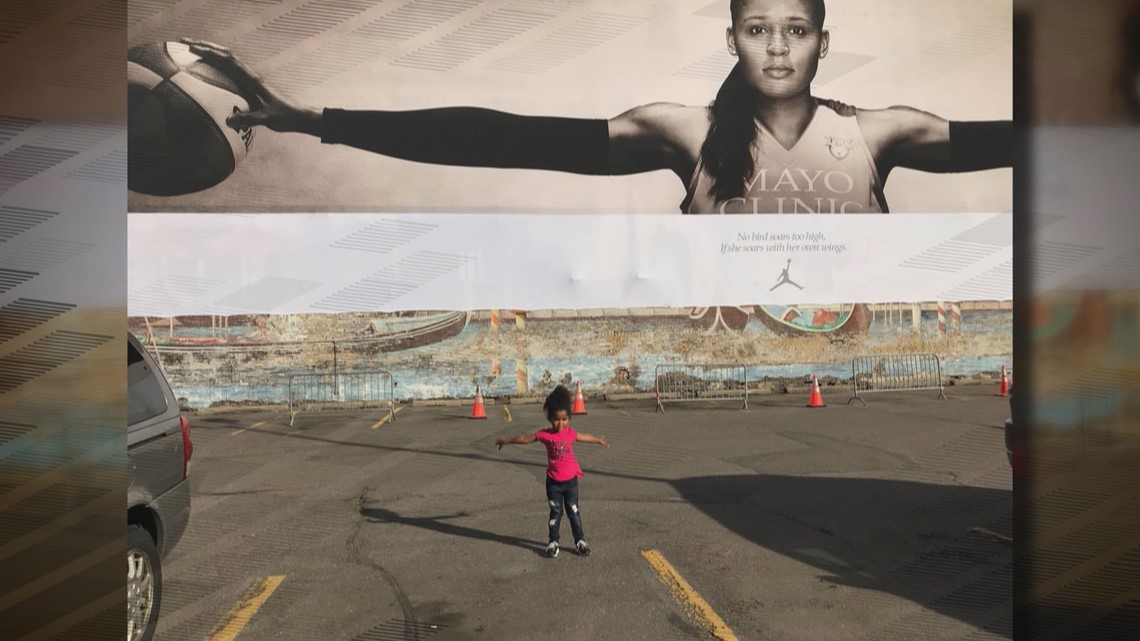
(889, 521)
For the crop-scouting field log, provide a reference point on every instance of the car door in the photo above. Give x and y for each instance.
(154, 434)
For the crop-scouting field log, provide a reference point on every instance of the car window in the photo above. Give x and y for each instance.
(145, 398)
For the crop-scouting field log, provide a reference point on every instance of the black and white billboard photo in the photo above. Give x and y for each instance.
(571, 106)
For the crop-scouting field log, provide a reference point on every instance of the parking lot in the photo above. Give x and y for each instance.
(890, 521)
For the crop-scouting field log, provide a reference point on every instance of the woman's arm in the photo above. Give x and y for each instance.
(657, 136)
(521, 439)
(644, 139)
(590, 438)
(464, 136)
(915, 139)
(474, 137)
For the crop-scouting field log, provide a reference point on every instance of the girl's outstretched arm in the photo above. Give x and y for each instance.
(643, 139)
(908, 137)
(590, 438)
(521, 439)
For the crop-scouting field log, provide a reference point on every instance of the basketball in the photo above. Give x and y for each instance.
(177, 104)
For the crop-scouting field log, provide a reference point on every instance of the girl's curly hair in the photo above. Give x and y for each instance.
(559, 399)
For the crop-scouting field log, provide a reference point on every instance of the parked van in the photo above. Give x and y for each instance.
(158, 496)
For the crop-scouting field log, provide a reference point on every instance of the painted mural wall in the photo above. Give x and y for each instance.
(433, 355)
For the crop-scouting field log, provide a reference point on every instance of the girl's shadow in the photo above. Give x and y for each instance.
(438, 524)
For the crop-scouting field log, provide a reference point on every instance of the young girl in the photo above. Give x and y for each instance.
(765, 145)
(562, 469)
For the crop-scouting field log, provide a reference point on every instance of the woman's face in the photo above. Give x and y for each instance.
(778, 45)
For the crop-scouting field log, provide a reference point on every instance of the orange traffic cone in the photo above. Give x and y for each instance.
(579, 402)
(1003, 390)
(479, 411)
(816, 399)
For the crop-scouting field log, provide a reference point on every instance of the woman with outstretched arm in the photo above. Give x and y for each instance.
(764, 145)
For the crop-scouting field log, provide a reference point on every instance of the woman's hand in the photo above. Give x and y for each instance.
(270, 109)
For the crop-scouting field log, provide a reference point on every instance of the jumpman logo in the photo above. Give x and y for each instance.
(784, 278)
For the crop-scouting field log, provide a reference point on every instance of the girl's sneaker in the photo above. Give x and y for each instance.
(551, 549)
(583, 549)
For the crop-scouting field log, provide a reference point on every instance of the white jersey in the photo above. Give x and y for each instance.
(828, 171)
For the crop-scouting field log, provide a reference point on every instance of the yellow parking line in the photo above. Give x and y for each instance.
(685, 593)
(506, 414)
(387, 416)
(624, 413)
(255, 425)
(238, 617)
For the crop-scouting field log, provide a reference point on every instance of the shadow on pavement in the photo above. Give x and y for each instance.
(440, 524)
(923, 542)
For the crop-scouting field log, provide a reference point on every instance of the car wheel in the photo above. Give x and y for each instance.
(144, 584)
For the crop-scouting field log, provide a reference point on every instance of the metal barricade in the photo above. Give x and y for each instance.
(700, 382)
(342, 391)
(895, 373)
